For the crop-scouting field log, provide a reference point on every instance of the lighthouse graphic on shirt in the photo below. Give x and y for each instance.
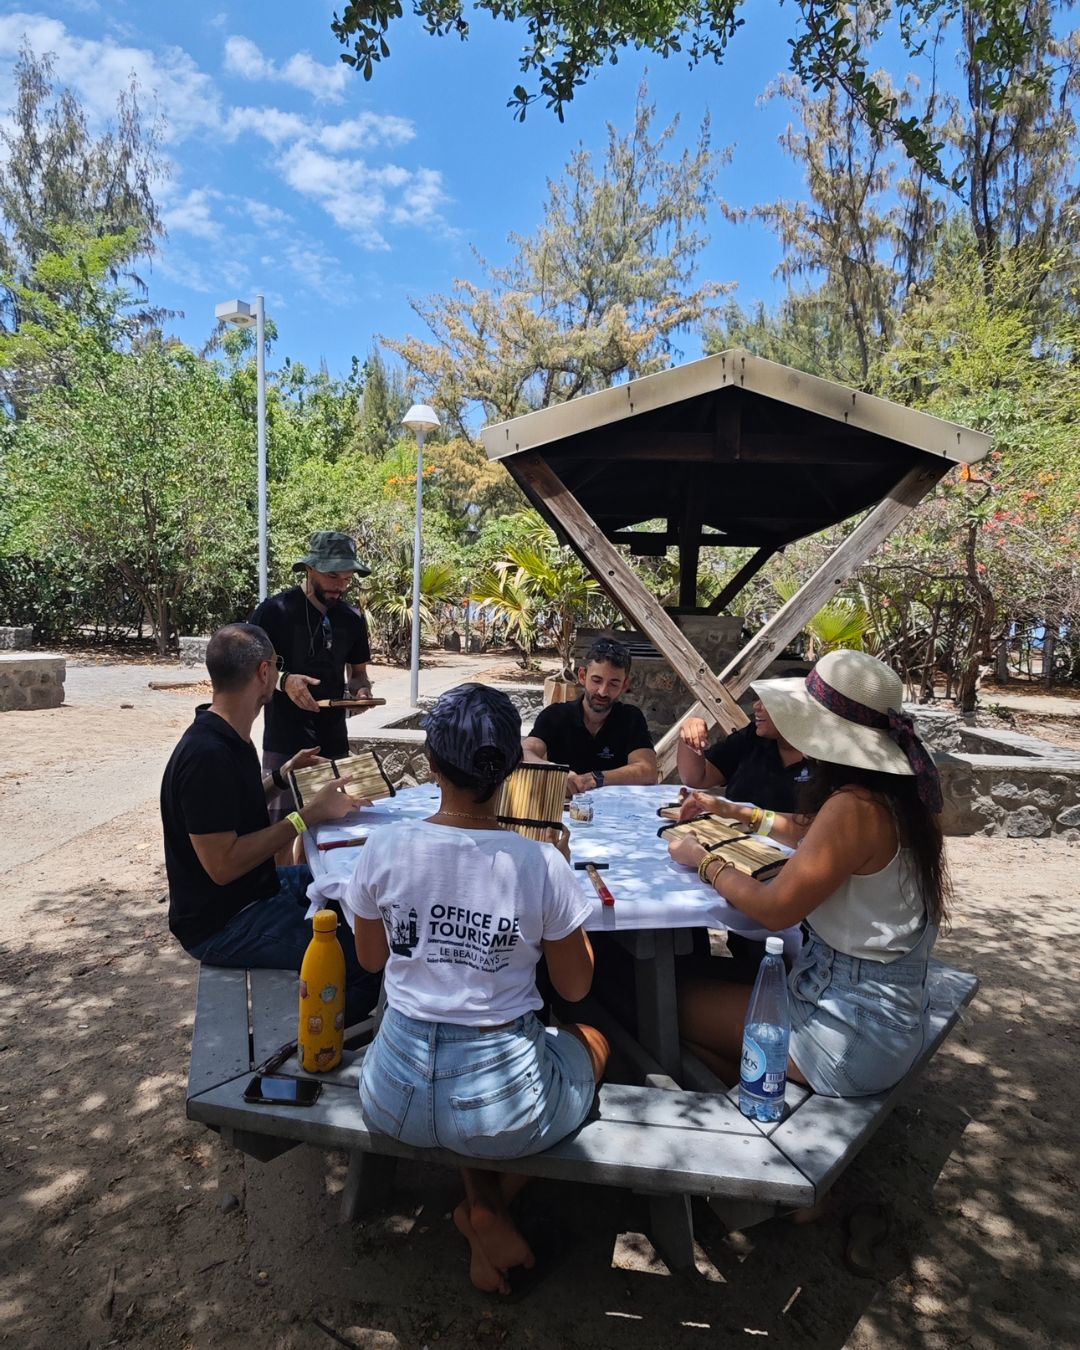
(402, 929)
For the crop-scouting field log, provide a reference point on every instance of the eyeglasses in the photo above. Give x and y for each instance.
(279, 662)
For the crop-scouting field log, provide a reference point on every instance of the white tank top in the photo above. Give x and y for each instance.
(879, 916)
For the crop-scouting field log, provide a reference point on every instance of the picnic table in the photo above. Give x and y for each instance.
(675, 1134)
(657, 902)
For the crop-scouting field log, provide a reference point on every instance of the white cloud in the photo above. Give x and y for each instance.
(98, 70)
(320, 272)
(365, 130)
(192, 215)
(324, 83)
(271, 124)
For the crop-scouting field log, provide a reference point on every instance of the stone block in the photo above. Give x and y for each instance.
(1069, 817)
(1027, 823)
(193, 651)
(16, 639)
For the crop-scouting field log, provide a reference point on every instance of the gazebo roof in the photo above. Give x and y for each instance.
(751, 452)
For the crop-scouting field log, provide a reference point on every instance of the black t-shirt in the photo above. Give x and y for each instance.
(300, 638)
(212, 784)
(754, 772)
(561, 726)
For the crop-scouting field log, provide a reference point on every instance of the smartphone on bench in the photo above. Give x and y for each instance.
(269, 1090)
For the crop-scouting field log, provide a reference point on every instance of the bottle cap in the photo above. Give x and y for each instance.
(325, 920)
(774, 945)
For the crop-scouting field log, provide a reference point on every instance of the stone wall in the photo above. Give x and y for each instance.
(31, 681)
(16, 639)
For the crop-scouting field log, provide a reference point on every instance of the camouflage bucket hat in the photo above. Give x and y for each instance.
(332, 551)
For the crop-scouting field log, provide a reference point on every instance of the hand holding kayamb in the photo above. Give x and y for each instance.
(332, 802)
(303, 759)
(686, 851)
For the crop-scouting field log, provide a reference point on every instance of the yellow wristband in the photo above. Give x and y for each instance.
(756, 816)
(296, 820)
(768, 820)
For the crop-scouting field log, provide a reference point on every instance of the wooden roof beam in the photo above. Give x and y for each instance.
(551, 497)
(743, 577)
(752, 447)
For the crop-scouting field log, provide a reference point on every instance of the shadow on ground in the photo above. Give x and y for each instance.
(123, 1224)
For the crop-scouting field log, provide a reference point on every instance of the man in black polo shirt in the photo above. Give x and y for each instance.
(228, 904)
(324, 650)
(605, 742)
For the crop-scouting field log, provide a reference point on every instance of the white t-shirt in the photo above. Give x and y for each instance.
(465, 912)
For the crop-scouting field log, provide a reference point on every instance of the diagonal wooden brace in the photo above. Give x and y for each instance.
(774, 636)
(546, 490)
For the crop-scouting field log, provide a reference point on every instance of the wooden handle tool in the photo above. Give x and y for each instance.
(592, 871)
(341, 843)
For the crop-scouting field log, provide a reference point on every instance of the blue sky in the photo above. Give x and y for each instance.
(342, 199)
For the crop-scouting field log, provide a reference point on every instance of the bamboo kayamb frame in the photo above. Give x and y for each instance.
(364, 769)
(530, 801)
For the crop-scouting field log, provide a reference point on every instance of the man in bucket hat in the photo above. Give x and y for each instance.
(323, 644)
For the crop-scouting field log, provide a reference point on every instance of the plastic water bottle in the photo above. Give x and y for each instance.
(763, 1074)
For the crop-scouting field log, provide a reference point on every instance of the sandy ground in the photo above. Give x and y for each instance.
(123, 1224)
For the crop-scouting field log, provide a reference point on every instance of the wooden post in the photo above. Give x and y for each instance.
(690, 536)
(550, 495)
(774, 636)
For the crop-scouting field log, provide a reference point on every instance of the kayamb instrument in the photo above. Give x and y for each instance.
(351, 702)
(530, 801)
(750, 856)
(364, 769)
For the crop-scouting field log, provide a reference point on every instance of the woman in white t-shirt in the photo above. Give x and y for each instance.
(458, 912)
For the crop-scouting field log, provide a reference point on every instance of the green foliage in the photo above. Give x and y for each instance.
(566, 40)
(138, 464)
(839, 624)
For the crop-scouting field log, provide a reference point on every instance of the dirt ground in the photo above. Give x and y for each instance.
(123, 1224)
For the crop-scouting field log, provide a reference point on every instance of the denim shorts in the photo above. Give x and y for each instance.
(501, 1093)
(857, 1026)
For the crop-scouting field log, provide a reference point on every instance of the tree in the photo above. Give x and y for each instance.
(566, 40)
(137, 458)
(598, 293)
(55, 177)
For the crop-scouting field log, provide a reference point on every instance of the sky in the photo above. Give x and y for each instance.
(341, 199)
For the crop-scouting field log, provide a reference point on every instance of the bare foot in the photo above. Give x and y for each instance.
(502, 1243)
(483, 1274)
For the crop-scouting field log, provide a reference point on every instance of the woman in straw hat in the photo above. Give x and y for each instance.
(458, 913)
(868, 878)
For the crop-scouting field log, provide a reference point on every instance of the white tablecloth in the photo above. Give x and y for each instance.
(650, 890)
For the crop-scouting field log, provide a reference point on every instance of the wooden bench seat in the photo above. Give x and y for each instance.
(661, 1140)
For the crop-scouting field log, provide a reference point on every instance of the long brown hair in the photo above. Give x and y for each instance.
(918, 828)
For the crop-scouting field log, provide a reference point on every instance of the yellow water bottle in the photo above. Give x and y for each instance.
(322, 996)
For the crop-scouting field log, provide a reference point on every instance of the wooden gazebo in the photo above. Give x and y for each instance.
(729, 452)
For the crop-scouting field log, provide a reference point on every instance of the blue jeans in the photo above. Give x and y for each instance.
(499, 1093)
(273, 934)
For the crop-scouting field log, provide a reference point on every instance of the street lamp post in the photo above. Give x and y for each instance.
(420, 419)
(241, 315)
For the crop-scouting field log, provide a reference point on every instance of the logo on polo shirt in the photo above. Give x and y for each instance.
(606, 753)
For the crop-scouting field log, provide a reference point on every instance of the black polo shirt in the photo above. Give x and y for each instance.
(295, 627)
(212, 784)
(561, 726)
(754, 772)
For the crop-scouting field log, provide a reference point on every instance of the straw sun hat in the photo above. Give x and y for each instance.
(848, 710)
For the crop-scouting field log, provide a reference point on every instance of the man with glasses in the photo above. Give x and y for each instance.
(605, 742)
(323, 646)
(229, 905)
